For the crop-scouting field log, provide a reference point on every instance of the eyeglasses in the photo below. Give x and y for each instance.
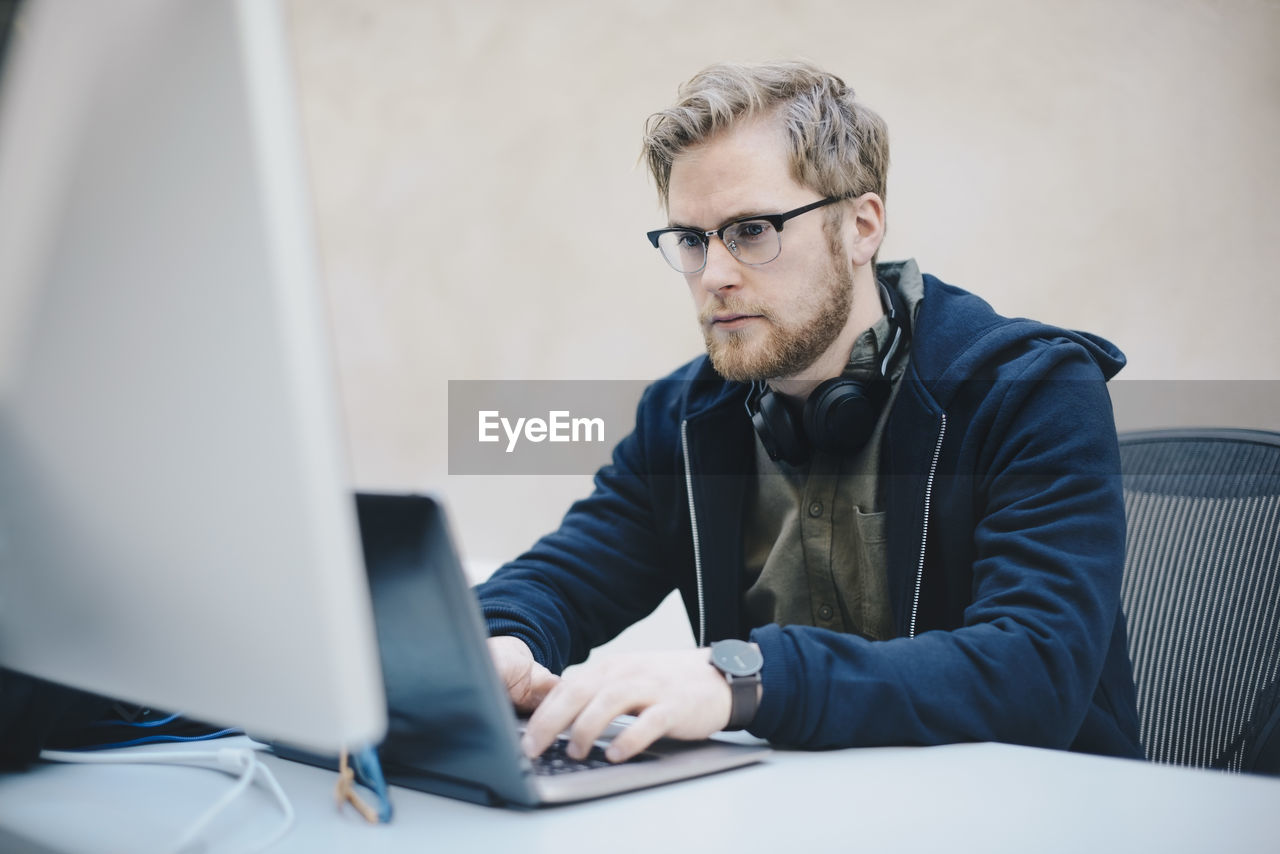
(753, 240)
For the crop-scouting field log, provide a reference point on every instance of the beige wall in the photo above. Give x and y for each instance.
(1104, 165)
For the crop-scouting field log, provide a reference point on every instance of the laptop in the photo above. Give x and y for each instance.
(452, 728)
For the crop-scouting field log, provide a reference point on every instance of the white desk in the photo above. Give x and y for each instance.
(976, 797)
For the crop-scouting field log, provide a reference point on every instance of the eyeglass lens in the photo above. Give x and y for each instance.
(753, 241)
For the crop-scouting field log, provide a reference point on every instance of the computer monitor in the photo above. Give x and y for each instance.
(177, 527)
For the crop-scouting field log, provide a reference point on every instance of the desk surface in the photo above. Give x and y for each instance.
(971, 797)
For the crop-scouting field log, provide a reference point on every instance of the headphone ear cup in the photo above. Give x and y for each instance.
(840, 414)
(779, 429)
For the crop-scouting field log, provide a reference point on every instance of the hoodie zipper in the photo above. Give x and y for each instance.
(924, 531)
(693, 522)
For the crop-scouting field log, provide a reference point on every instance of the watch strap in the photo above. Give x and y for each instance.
(742, 708)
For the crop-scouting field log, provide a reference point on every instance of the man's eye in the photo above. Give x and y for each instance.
(748, 232)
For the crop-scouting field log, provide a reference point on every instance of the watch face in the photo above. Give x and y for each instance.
(737, 658)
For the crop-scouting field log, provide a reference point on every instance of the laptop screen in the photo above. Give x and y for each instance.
(446, 711)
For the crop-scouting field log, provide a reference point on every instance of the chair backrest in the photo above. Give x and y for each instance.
(1202, 594)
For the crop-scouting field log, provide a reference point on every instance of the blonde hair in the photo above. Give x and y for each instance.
(838, 147)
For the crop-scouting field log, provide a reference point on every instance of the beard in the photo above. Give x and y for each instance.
(786, 346)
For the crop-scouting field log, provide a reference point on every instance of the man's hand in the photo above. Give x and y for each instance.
(527, 681)
(677, 694)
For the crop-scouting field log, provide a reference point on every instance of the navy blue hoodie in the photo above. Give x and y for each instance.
(1005, 524)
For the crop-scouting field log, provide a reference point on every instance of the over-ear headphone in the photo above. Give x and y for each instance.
(840, 414)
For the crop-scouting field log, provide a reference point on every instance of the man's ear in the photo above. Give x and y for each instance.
(864, 228)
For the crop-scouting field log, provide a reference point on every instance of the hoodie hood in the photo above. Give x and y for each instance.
(966, 336)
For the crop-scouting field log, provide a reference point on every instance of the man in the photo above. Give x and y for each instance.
(907, 505)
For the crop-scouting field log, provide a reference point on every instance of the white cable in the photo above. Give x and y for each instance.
(281, 798)
(157, 757)
(239, 761)
(235, 761)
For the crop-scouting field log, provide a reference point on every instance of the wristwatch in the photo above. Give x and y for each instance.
(740, 662)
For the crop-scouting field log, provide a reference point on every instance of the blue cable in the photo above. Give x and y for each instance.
(368, 772)
(162, 739)
(139, 724)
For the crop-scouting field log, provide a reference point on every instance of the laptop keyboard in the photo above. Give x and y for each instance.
(554, 760)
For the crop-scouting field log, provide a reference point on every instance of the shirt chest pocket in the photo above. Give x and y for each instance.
(860, 572)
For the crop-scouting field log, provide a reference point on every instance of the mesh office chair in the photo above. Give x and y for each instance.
(1202, 594)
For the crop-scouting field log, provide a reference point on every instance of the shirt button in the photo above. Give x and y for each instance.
(815, 509)
(825, 612)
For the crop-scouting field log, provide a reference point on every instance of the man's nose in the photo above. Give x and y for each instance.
(723, 270)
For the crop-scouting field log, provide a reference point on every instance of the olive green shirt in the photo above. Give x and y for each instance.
(814, 535)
